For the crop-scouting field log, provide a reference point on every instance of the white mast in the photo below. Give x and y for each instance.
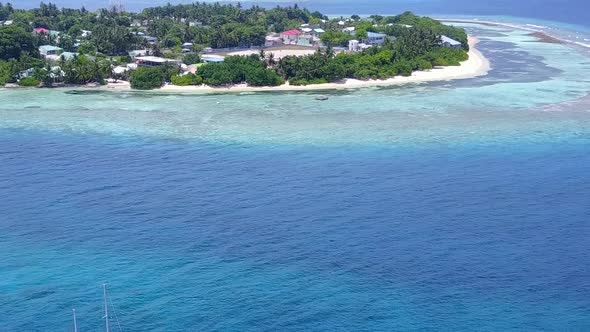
(106, 309)
(75, 323)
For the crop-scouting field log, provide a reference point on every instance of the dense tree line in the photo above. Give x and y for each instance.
(5, 11)
(252, 70)
(414, 49)
(221, 26)
(414, 44)
(399, 23)
(147, 78)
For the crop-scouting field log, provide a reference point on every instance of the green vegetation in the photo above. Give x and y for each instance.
(147, 78)
(336, 38)
(414, 49)
(238, 69)
(6, 72)
(400, 22)
(82, 70)
(191, 59)
(14, 41)
(188, 79)
(29, 82)
(103, 39)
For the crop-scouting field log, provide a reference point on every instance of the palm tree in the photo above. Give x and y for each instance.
(262, 55)
(271, 62)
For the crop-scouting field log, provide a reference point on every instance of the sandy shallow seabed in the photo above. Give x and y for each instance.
(476, 65)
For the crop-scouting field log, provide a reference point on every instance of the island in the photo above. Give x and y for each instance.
(226, 47)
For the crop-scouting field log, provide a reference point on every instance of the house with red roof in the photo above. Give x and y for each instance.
(290, 36)
(41, 31)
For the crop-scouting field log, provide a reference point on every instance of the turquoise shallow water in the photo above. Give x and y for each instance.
(528, 81)
(454, 206)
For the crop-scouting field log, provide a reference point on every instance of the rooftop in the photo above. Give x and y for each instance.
(155, 59)
(291, 32)
(450, 41)
(376, 35)
(49, 48)
(212, 58)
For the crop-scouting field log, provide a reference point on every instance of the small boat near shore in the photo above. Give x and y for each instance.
(321, 98)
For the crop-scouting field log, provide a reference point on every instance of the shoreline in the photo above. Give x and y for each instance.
(477, 65)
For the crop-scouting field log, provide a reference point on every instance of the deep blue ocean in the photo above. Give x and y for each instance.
(194, 236)
(455, 206)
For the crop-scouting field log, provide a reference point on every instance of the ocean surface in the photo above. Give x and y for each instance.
(448, 206)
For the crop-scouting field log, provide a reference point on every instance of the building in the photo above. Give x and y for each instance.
(318, 31)
(151, 40)
(272, 41)
(65, 56)
(353, 45)
(137, 53)
(349, 30)
(450, 42)
(374, 38)
(305, 40)
(211, 58)
(290, 36)
(49, 50)
(41, 31)
(9, 22)
(85, 33)
(187, 47)
(154, 61)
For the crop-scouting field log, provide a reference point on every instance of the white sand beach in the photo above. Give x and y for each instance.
(476, 65)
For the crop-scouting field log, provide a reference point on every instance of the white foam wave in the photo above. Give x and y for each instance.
(582, 44)
(537, 26)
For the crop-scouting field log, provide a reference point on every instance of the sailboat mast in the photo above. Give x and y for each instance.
(75, 323)
(106, 308)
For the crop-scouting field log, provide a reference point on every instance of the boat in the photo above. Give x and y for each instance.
(321, 98)
(107, 323)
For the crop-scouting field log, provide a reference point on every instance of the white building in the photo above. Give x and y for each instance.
(211, 58)
(349, 30)
(353, 45)
(47, 50)
(154, 61)
(450, 42)
(187, 47)
(374, 38)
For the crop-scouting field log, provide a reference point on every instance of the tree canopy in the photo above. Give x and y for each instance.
(15, 41)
